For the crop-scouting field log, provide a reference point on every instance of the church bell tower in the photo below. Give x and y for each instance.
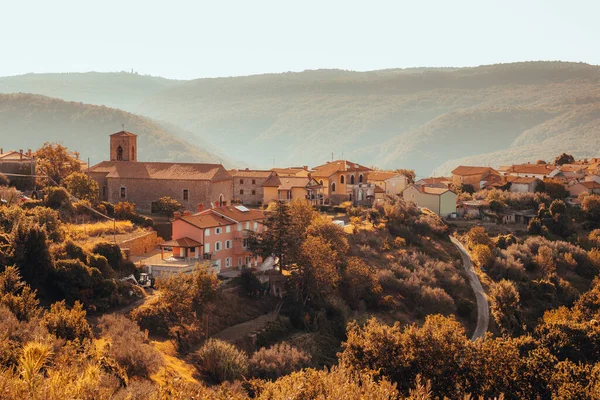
(123, 146)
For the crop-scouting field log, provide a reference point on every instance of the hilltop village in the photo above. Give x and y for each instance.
(169, 279)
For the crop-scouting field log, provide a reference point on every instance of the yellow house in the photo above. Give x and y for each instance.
(293, 171)
(392, 183)
(441, 201)
(287, 188)
(340, 180)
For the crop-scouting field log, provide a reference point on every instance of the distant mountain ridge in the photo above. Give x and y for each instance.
(427, 119)
(27, 121)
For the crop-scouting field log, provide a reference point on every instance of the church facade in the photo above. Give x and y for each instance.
(123, 178)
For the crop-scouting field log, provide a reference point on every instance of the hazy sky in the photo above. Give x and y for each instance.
(191, 39)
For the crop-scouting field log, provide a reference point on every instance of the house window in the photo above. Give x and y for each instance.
(228, 229)
(240, 261)
(218, 265)
(218, 231)
(248, 259)
(207, 232)
(321, 182)
(247, 225)
(253, 191)
(245, 243)
(352, 179)
(241, 191)
(207, 247)
(255, 226)
(360, 178)
(218, 246)
(241, 181)
(123, 192)
(254, 181)
(228, 244)
(185, 194)
(333, 187)
(342, 179)
(228, 262)
(239, 227)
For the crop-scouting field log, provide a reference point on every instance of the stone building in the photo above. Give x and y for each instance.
(16, 163)
(248, 185)
(123, 178)
(344, 180)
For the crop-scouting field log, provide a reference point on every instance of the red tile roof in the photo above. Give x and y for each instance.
(206, 220)
(328, 169)
(382, 175)
(591, 184)
(250, 173)
(183, 242)
(161, 170)
(14, 156)
(521, 179)
(236, 214)
(538, 169)
(467, 170)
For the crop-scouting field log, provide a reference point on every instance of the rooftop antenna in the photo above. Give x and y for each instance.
(123, 126)
(332, 156)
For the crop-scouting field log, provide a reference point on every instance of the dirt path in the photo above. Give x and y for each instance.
(238, 332)
(483, 308)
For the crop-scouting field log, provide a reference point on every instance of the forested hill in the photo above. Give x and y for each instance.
(427, 119)
(27, 121)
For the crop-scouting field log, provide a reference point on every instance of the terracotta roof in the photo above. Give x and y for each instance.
(182, 242)
(161, 170)
(124, 133)
(289, 182)
(328, 169)
(273, 181)
(236, 214)
(434, 190)
(540, 169)
(250, 173)
(475, 203)
(572, 168)
(432, 180)
(467, 170)
(206, 220)
(291, 171)
(382, 175)
(379, 189)
(521, 179)
(14, 156)
(590, 184)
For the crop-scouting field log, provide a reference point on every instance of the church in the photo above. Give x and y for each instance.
(123, 178)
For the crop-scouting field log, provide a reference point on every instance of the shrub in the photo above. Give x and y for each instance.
(111, 251)
(129, 346)
(436, 301)
(220, 361)
(482, 255)
(57, 198)
(77, 281)
(4, 180)
(250, 283)
(278, 360)
(48, 219)
(124, 210)
(68, 324)
(17, 296)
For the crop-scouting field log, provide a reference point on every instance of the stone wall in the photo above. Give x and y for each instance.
(141, 244)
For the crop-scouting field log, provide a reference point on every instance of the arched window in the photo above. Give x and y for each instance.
(342, 179)
(321, 182)
(333, 187)
(221, 200)
(119, 153)
(360, 178)
(132, 153)
(352, 179)
(360, 195)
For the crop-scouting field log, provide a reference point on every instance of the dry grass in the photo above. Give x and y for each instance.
(173, 365)
(84, 231)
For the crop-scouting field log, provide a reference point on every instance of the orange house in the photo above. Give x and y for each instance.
(218, 234)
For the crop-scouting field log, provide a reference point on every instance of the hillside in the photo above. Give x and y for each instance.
(427, 119)
(27, 121)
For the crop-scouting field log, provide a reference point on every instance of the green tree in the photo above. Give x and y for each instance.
(409, 173)
(564, 158)
(482, 255)
(277, 240)
(591, 205)
(31, 254)
(82, 186)
(166, 205)
(55, 161)
(67, 323)
(506, 306)
(553, 188)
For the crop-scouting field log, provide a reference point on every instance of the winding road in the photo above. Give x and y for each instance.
(483, 308)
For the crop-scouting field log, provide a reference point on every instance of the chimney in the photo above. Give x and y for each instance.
(305, 167)
(28, 152)
(247, 169)
(1, 151)
(21, 154)
(422, 187)
(186, 213)
(200, 207)
(176, 215)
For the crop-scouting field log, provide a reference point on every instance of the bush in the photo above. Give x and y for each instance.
(165, 205)
(129, 346)
(124, 210)
(68, 324)
(57, 198)
(111, 251)
(220, 361)
(482, 256)
(278, 360)
(250, 283)
(4, 180)
(77, 281)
